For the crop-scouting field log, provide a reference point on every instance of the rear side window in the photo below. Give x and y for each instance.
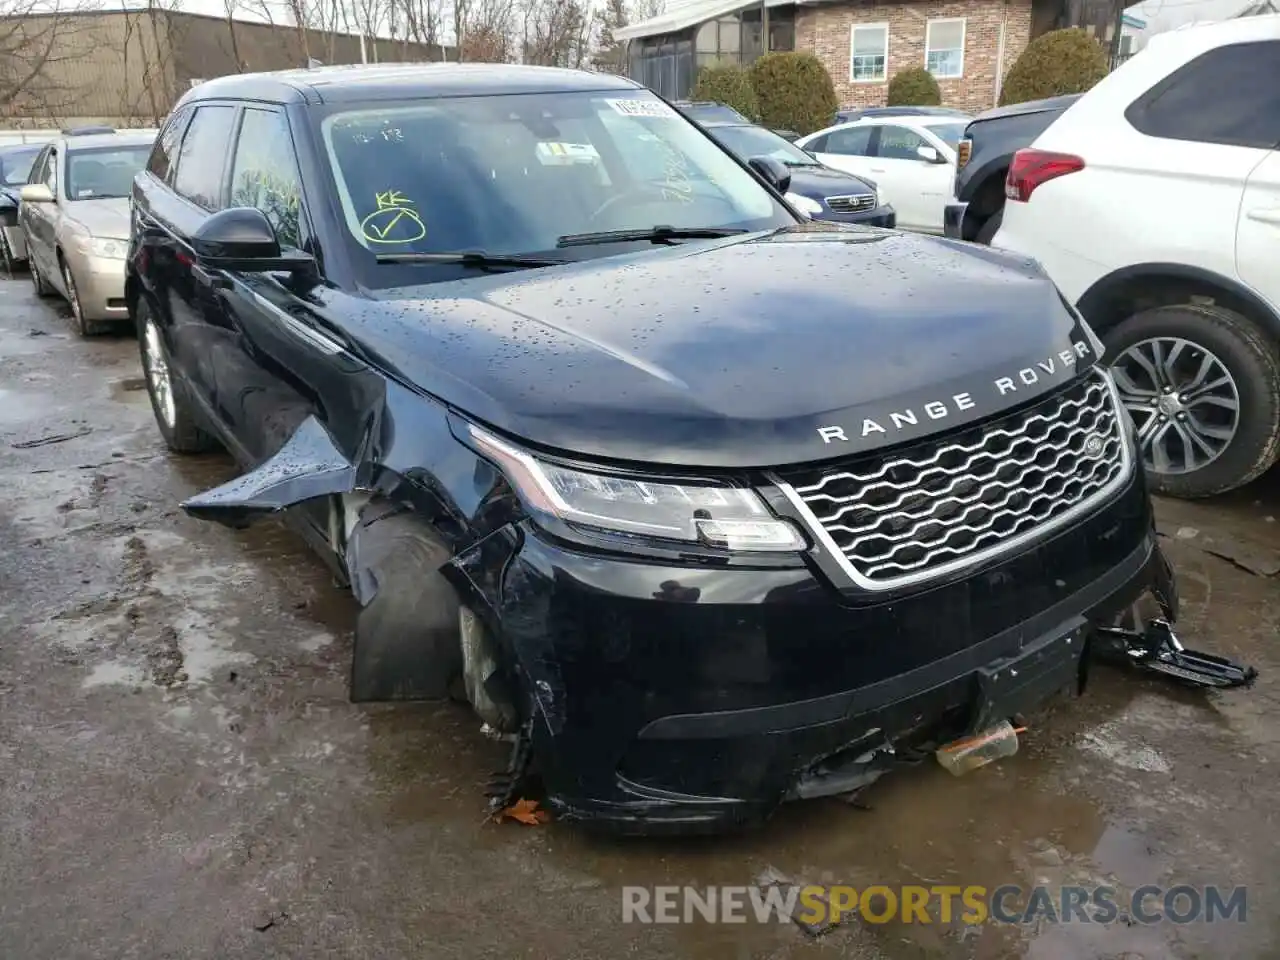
(202, 156)
(1229, 96)
(164, 152)
(850, 142)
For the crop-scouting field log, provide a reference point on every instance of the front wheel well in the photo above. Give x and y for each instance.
(1115, 298)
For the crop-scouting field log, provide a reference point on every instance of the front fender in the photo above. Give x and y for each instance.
(309, 465)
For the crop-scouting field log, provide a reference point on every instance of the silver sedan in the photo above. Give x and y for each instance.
(74, 213)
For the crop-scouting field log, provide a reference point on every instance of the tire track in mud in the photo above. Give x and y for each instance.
(130, 631)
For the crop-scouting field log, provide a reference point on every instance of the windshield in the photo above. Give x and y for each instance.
(948, 133)
(15, 165)
(747, 142)
(514, 174)
(104, 172)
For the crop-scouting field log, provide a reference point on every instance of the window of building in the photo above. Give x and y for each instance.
(202, 156)
(1228, 96)
(868, 52)
(944, 48)
(265, 174)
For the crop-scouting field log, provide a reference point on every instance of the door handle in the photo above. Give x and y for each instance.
(877, 169)
(1265, 215)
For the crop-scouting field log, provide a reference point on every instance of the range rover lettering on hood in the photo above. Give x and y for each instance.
(1058, 366)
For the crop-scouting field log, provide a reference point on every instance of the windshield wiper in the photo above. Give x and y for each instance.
(473, 258)
(658, 234)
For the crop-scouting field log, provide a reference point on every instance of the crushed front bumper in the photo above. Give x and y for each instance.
(697, 699)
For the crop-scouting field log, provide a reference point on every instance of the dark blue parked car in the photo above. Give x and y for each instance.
(816, 190)
(15, 165)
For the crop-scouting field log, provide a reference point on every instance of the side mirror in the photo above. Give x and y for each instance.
(36, 193)
(773, 171)
(242, 239)
(930, 154)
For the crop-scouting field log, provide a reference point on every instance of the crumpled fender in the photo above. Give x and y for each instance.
(309, 465)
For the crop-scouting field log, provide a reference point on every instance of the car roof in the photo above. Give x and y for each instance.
(35, 146)
(907, 120)
(401, 81)
(124, 138)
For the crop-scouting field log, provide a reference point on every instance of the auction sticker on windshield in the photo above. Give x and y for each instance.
(641, 108)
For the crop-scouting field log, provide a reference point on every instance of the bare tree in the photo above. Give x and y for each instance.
(555, 33)
(484, 30)
(611, 54)
(423, 20)
(36, 38)
(149, 40)
(231, 8)
(642, 10)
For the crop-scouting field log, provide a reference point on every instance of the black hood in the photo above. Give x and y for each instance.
(734, 353)
(817, 182)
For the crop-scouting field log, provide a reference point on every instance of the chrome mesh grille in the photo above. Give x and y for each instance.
(855, 203)
(933, 507)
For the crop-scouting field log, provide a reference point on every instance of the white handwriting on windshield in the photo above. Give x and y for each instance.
(677, 186)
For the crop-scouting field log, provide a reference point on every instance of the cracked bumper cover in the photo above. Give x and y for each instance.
(694, 699)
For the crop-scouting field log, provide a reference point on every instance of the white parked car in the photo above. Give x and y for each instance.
(912, 161)
(1154, 204)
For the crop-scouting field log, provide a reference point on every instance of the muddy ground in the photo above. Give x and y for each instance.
(182, 776)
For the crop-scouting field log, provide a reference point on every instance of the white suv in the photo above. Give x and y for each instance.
(1154, 204)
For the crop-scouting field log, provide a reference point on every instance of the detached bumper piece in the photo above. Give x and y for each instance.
(1157, 649)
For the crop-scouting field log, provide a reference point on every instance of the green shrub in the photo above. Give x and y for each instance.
(1059, 62)
(914, 88)
(728, 84)
(794, 92)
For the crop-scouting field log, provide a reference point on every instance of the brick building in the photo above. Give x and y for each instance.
(968, 45)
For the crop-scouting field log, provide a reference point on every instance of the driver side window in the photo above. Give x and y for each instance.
(899, 143)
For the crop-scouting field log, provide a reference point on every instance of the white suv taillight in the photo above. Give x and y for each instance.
(1030, 168)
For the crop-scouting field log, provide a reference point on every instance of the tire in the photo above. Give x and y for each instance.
(37, 279)
(408, 643)
(177, 423)
(1243, 443)
(86, 328)
(986, 233)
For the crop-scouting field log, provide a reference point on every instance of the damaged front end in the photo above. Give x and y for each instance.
(690, 689)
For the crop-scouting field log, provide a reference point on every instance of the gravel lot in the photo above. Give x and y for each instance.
(182, 776)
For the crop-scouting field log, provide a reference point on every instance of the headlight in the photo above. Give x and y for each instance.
(110, 249)
(731, 518)
(803, 204)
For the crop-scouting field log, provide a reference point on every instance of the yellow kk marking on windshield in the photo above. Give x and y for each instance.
(394, 210)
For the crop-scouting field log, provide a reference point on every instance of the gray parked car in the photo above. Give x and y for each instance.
(74, 213)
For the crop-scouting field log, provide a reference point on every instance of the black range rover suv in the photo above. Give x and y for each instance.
(704, 507)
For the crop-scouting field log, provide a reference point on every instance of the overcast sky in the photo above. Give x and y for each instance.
(1165, 14)
(1159, 14)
